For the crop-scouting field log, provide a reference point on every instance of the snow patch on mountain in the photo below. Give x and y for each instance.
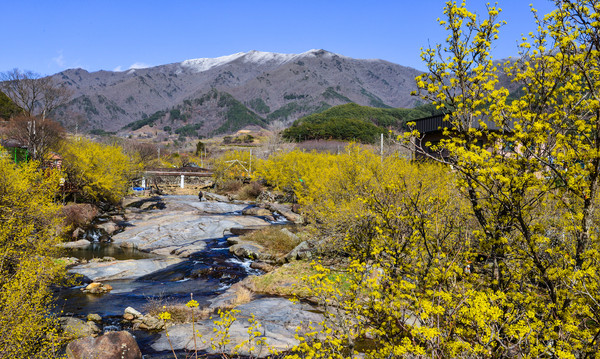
(254, 57)
(272, 58)
(205, 64)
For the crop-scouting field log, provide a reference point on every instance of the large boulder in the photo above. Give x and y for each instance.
(256, 211)
(97, 288)
(125, 269)
(75, 244)
(77, 328)
(286, 211)
(251, 250)
(112, 345)
(301, 251)
(215, 197)
(109, 227)
(184, 232)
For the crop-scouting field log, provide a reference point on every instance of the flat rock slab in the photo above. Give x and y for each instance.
(76, 244)
(180, 234)
(126, 269)
(238, 231)
(279, 318)
(218, 207)
(183, 226)
(186, 203)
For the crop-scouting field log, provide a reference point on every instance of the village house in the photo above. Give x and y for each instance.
(431, 130)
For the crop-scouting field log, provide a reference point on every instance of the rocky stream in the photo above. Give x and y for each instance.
(165, 250)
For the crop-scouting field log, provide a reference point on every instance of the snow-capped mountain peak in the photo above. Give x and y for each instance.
(254, 57)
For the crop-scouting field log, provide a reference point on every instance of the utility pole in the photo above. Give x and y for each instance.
(382, 147)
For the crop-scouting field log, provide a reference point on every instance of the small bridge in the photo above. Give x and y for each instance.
(187, 175)
(183, 171)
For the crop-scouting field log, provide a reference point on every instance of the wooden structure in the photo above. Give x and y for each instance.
(17, 150)
(186, 175)
(432, 129)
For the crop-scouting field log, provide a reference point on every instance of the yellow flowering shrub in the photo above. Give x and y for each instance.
(495, 256)
(101, 172)
(233, 165)
(30, 226)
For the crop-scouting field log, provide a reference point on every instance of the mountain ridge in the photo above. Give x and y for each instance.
(271, 86)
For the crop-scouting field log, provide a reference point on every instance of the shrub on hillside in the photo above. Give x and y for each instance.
(78, 214)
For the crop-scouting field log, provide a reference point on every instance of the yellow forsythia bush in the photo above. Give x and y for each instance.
(29, 228)
(102, 172)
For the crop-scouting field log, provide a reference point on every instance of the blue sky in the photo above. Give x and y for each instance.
(50, 36)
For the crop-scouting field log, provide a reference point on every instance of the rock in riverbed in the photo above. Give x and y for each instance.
(125, 269)
(76, 328)
(97, 288)
(111, 345)
(279, 318)
(140, 321)
(180, 230)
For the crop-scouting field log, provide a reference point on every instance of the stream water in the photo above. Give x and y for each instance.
(205, 274)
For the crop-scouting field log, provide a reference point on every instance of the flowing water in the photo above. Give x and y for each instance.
(205, 274)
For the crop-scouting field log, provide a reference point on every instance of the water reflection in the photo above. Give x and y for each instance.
(99, 250)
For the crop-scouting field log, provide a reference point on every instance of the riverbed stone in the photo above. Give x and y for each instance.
(123, 269)
(112, 345)
(256, 211)
(180, 229)
(110, 227)
(215, 197)
(97, 288)
(263, 266)
(301, 251)
(278, 317)
(286, 211)
(75, 244)
(133, 312)
(77, 328)
(77, 233)
(150, 323)
(93, 317)
(251, 250)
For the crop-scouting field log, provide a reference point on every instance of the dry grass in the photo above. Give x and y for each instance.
(78, 215)
(331, 146)
(286, 280)
(273, 240)
(179, 312)
(242, 296)
(250, 191)
(290, 280)
(230, 186)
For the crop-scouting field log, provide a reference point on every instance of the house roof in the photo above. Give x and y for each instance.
(437, 123)
(54, 156)
(11, 142)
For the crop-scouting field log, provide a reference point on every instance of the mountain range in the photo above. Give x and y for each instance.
(209, 96)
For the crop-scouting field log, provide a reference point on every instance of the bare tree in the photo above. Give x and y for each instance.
(36, 95)
(39, 135)
(275, 142)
